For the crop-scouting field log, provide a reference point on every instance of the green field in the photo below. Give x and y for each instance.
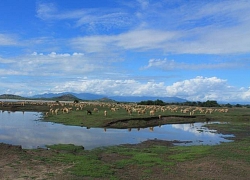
(120, 118)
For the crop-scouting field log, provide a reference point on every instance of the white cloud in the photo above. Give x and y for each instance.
(145, 39)
(204, 88)
(136, 39)
(52, 64)
(195, 28)
(99, 86)
(93, 43)
(46, 11)
(245, 93)
(6, 61)
(54, 55)
(7, 40)
(106, 20)
(196, 89)
(208, 40)
(90, 18)
(143, 3)
(214, 40)
(77, 54)
(166, 65)
(5, 72)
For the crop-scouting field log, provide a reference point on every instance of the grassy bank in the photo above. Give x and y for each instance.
(120, 118)
(148, 160)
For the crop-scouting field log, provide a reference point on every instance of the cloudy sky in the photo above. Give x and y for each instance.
(197, 50)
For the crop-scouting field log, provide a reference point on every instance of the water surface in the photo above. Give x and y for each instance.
(27, 129)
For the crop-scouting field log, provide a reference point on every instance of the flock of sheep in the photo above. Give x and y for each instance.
(132, 108)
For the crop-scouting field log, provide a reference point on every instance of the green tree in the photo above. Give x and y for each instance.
(209, 103)
(238, 105)
(228, 105)
(76, 101)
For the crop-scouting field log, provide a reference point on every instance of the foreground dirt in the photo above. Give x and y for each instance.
(210, 168)
(17, 163)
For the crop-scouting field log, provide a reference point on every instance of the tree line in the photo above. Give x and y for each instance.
(208, 103)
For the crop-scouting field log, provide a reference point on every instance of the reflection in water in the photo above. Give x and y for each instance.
(19, 128)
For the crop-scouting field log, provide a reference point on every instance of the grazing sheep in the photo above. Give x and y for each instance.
(152, 113)
(113, 109)
(95, 110)
(105, 113)
(209, 110)
(191, 113)
(56, 111)
(65, 110)
(129, 112)
(89, 112)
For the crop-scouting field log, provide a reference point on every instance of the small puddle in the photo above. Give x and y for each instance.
(27, 130)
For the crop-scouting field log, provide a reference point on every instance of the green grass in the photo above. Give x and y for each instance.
(97, 119)
(236, 151)
(88, 166)
(186, 153)
(84, 163)
(88, 163)
(80, 118)
(66, 147)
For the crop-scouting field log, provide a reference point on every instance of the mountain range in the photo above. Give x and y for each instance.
(89, 96)
(70, 96)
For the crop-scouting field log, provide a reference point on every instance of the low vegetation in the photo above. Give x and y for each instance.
(121, 115)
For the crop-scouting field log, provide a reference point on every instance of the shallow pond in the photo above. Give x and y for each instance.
(27, 129)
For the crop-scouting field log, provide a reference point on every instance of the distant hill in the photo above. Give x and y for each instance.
(145, 98)
(89, 97)
(105, 100)
(11, 96)
(83, 96)
(66, 97)
(69, 96)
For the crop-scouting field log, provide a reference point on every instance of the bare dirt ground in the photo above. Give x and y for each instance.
(20, 164)
(210, 168)
(17, 163)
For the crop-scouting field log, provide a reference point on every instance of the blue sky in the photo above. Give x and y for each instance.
(197, 50)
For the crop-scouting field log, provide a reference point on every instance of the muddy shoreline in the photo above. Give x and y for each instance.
(155, 121)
